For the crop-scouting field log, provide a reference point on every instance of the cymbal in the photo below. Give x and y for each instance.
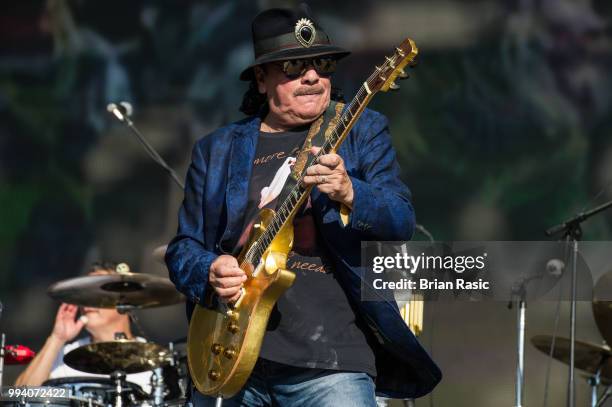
(125, 290)
(602, 306)
(588, 356)
(125, 355)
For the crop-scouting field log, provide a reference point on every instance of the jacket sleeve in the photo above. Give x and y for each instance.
(381, 207)
(187, 259)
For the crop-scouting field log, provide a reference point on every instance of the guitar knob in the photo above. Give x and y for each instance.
(216, 348)
(214, 375)
(229, 353)
(233, 315)
(233, 328)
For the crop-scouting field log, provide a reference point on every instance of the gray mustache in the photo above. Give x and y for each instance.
(302, 92)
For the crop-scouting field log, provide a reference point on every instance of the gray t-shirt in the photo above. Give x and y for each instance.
(313, 324)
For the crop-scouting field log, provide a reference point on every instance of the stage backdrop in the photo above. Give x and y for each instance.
(503, 129)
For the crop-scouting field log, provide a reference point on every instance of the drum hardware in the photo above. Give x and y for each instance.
(123, 355)
(572, 232)
(592, 358)
(602, 306)
(158, 387)
(604, 396)
(124, 292)
(119, 378)
(99, 391)
(2, 342)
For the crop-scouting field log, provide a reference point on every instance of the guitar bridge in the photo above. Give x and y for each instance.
(236, 304)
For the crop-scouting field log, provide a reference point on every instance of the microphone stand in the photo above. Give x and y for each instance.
(2, 345)
(572, 232)
(123, 115)
(519, 295)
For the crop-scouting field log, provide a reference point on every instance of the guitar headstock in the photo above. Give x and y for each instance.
(384, 76)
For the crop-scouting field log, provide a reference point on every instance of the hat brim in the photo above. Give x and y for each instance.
(294, 53)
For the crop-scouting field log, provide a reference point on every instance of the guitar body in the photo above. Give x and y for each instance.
(224, 344)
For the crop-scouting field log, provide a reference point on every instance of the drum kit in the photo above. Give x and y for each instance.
(595, 360)
(113, 360)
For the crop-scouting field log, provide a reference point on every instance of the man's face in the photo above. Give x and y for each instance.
(294, 102)
(100, 317)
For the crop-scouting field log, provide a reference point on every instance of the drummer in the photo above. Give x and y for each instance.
(102, 324)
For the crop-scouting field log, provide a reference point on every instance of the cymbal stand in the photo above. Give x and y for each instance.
(119, 378)
(604, 396)
(158, 386)
(594, 381)
(2, 343)
(572, 233)
(219, 401)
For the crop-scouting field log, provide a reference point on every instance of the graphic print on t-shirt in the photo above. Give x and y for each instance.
(272, 166)
(271, 192)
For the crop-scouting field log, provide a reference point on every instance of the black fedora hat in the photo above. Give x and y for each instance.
(281, 34)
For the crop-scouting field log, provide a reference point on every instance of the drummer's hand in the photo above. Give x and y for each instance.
(226, 278)
(66, 328)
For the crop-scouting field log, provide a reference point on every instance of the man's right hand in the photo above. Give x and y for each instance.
(66, 328)
(226, 277)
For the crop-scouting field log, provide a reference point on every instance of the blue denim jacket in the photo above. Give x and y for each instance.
(215, 201)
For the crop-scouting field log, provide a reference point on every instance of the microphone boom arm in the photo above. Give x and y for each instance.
(123, 116)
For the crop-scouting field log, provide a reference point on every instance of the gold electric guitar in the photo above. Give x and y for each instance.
(223, 344)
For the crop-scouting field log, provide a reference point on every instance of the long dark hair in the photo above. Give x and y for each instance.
(254, 102)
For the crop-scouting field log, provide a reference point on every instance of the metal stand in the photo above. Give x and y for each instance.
(605, 396)
(122, 112)
(2, 343)
(571, 393)
(119, 379)
(572, 232)
(520, 293)
(158, 386)
(520, 352)
(594, 382)
(219, 401)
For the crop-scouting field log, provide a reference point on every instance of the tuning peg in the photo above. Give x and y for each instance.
(402, 74)
(394, 86)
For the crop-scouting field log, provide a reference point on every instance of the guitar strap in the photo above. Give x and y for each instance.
(319, 131)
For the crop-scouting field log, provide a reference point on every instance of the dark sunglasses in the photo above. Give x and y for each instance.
(294, 68)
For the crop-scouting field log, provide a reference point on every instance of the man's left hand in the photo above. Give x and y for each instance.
(330, 177)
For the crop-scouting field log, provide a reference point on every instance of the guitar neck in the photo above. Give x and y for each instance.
(296, 197)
